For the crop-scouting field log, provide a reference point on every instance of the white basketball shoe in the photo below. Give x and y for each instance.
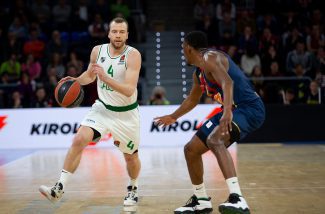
(195, 205)
(131, 197)
(53, 194)
(235, 204)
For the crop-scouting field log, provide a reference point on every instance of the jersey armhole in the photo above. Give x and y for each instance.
(99, 53)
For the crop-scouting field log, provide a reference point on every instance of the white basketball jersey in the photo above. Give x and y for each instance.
(115, 68)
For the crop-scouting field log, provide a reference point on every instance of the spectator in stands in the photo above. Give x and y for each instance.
(158, 96)
(247, 39)
(101, 7)
(50, 84)
(319, 62)
(291, 39)
(301, 57)
(26, 91)
(15, 101)
(34, 45)
(203, 15)
(41, 101)
(315, 40)
(12, 67)
(258, 83)
(56, 45)
(289, 97)
(203, 9)
(42, 13)
(313, 93)
(61, 14)
(245, 20)
(267, 21)
(80, 16)
(225, 7)
(12, 45)
(300, 85)
(32, 67)
(18, 28)
(98, 29)
(271, 56)
(72, 71)
(227, 26)
(120, 9)
(268, 39)
(56, 65)
(4, 92)
(274, 70)
(74, 61)
(249, 60)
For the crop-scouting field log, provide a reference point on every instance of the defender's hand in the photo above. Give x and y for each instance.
(164, 120)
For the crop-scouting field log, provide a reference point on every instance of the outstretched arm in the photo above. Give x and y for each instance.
(128, 87)
(188, 104)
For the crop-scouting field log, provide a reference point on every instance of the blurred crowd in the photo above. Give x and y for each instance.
(41, 41)
(279, 44)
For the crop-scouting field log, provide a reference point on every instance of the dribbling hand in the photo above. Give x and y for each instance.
(164, 120)
(67, 78)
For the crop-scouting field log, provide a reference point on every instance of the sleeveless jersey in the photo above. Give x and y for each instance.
(243, 91)
(115, 68)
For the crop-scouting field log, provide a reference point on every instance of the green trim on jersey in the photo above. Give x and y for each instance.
(126, 47)
(99, 53)
(120, 108)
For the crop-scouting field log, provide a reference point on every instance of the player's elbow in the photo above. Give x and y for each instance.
(129, 92)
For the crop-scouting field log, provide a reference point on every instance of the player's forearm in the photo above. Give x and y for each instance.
(125, 89)
(85, 78)
(227, 88)
(187, 105)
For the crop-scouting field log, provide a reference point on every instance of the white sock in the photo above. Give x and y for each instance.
(65, 176)
(233, 185)
(199, 191)
(133, 182)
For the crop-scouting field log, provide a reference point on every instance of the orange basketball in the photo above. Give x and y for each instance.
(69, 94)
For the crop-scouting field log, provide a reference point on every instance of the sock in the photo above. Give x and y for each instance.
(233, 185)
(199, 191)
(65, 176)
(133, 182)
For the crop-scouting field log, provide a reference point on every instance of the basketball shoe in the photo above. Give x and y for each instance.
(235, 204)
(131, 198)
(53, 194)
(195, 205)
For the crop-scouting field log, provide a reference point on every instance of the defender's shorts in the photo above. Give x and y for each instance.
(246, 118)
(124, 126)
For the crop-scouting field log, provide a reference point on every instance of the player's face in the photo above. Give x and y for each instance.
(118, 34)
(186, 50)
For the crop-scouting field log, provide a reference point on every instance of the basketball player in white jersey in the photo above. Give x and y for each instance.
(116, 67)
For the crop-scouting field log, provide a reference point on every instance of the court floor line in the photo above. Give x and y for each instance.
(171, 190)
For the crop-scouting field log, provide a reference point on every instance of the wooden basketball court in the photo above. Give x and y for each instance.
(275, 178)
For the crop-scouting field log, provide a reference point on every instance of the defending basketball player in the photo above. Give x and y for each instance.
(243, 112)
(116, 67)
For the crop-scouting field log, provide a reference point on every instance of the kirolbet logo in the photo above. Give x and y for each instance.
(185, 125)
(53, 128)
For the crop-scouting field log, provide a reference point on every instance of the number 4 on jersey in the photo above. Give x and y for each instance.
(110, 71)
(130, 145)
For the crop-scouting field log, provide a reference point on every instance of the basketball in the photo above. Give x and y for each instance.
(69, 94)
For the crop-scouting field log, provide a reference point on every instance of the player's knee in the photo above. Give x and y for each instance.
(80, 142)
(131, 159)
(215, 140)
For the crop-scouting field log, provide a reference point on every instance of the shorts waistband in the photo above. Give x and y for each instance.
(120, 108)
